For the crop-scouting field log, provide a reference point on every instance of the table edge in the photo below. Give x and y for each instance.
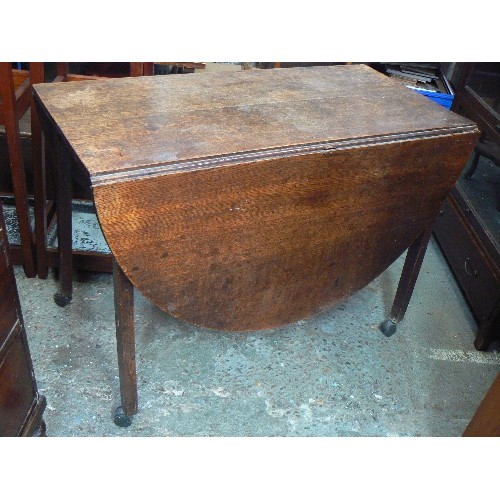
(325, 147)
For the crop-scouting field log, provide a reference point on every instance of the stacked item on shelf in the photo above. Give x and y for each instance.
(426, 78)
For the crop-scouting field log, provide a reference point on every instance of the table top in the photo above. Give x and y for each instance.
(165, 123)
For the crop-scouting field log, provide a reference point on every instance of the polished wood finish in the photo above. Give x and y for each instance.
(249, 200)
(21, 406)
(486, 420)
(15, 99)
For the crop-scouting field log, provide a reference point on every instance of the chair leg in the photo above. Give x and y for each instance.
(473, 167)
(149, 69)
(64, 223)
(136, 69)
(17, 169)
(39, 179)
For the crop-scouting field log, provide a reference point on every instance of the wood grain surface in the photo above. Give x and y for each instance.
(257, 245)
(249, 200)
(130, 124)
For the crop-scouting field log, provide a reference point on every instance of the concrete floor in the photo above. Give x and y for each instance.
(331, 375)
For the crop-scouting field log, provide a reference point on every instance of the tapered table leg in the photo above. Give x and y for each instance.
(125, 340)
(64, 223)
(411, 268)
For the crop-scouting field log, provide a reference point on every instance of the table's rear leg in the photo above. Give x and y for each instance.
(125, 340)
(489, 329)
(411, 268)
(64, 223)
(473, 167)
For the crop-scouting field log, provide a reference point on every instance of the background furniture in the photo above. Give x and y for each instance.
(21, 406)
(48, 256)
(68, 72)
(15, 99)
(468, 228)
(486, 420)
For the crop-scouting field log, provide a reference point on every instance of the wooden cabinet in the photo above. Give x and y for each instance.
(21, 406)
(468, 229)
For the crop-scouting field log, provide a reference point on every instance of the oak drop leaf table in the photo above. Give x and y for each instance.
(248, 200)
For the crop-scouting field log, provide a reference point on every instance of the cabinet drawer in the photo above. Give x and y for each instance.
(473, 270)
(8, 298)
(17, 391)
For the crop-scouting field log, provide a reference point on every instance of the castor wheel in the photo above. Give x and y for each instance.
(62, 300)
(121, 420)
(388, 328)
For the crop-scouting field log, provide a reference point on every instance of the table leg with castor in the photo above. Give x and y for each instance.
(125, 340)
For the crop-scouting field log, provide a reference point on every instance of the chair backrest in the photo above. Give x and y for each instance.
(91, 71)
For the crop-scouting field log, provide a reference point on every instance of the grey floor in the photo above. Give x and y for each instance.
(331, 375)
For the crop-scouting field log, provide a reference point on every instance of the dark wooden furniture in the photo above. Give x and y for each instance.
(468, 228)
(248, 200)
(172, 68)
(15, 99)
(486, 420)
(88, 71)
(21, 406)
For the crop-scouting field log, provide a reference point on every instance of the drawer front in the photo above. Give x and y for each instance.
(8, 297)
(477, 277)
(17, 391)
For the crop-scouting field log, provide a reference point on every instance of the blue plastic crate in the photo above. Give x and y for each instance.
(445, 100)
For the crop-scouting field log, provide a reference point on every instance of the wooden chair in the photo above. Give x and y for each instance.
(104, 71)
(15, 99)
(44, 207)
(485, 148)
(178, 67)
